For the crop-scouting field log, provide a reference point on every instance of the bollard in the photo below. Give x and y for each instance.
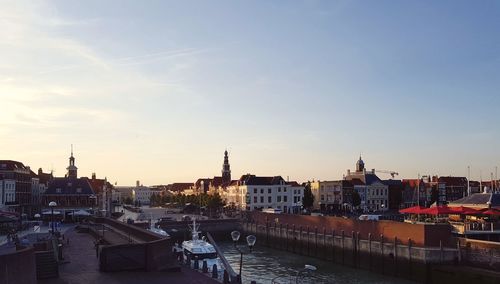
(215, 272)
(204, 268)
(225, 278)
(196, 264)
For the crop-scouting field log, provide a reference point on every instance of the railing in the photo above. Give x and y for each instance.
(474, 227)
(227, 267)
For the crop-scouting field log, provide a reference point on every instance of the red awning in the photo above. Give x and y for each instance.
(492, 212)
(439, 210)
(412, 210)
(465, 210)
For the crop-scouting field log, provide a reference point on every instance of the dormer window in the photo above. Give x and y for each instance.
(69, 184)
(79, 190)
(58, 190)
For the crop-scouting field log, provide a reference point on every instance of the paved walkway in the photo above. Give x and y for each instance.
(82, 267)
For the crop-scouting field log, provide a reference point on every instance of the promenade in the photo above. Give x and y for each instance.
(82, 267)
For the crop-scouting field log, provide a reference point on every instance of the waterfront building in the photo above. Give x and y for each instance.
(104, 193)
(252, 192)
(327, 195)
(374, 192)
(18, 175)
(141, 194)
(451, 188)
(125, 191)
(71, 193)
(395, 188)
(7, 194)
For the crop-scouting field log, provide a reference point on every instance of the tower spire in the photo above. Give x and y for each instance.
(71, 150)
(226, 170)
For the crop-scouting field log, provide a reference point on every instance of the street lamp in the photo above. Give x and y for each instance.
(93, 197)
(251, 239)
(52, 204)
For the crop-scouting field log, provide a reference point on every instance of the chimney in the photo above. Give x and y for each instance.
(93, 176)
(373, 171)
(40, 171)
(137, 183)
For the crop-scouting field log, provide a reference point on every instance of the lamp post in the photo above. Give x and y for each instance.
(235, 235)
(94, 198)
(52, 204)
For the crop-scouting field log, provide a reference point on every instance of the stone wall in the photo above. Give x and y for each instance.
(18, 267)
(422, 235)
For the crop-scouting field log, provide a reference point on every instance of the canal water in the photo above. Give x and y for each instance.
(265, 264)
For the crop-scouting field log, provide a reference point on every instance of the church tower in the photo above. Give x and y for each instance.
(72, 169)
(360, 165)
(226, 171)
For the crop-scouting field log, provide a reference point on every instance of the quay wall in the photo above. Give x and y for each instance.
(18, 267)
(421, 235)
(390, 256)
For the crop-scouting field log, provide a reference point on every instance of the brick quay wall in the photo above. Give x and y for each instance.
(413, 251)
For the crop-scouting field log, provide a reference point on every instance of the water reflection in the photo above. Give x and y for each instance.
(265, 264)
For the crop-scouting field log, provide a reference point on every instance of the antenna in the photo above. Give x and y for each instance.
(72, 150)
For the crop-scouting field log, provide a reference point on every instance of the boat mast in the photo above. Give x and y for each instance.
(468, 181)
(418, 190)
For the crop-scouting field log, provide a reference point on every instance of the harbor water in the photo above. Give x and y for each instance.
(264, 264)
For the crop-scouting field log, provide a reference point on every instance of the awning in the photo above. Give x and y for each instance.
(465, 210)
(412, 210)
(439, 210)
(492, 212)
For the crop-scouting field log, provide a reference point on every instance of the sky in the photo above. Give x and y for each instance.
(157, 90)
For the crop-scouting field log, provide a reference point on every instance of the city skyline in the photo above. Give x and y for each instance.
(296, 89)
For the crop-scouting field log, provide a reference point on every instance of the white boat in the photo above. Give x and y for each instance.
(156, 229)
(196, 249)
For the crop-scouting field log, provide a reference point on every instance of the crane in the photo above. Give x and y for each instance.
(392, 173)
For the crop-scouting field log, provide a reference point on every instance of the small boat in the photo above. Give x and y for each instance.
(155, 228)
(201, 250)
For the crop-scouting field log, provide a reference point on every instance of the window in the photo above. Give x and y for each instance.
(377, 191)
(285, 198)
(255, 199)
(262, 191)
(298, 191)
(58, 190)
(322, 197)
(262, 199)
(269, 190)
(269, 199)
(255, 190)
(79, 190)
(284, 189)
(279, 189)
(279, 198)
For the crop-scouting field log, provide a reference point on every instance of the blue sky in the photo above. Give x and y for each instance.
(156, 90)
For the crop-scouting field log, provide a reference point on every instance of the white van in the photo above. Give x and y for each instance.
(369, 217)
(272, 211)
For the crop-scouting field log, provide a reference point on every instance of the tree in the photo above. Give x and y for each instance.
(356, 199)
(308, 199)
(127, 200)
(215, 202)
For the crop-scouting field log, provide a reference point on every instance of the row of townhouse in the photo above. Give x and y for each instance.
(253, 192)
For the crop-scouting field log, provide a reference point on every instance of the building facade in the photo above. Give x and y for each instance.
(70, 193)
(21, 175)
(252, 192)
(374, 193)
(328, 195)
